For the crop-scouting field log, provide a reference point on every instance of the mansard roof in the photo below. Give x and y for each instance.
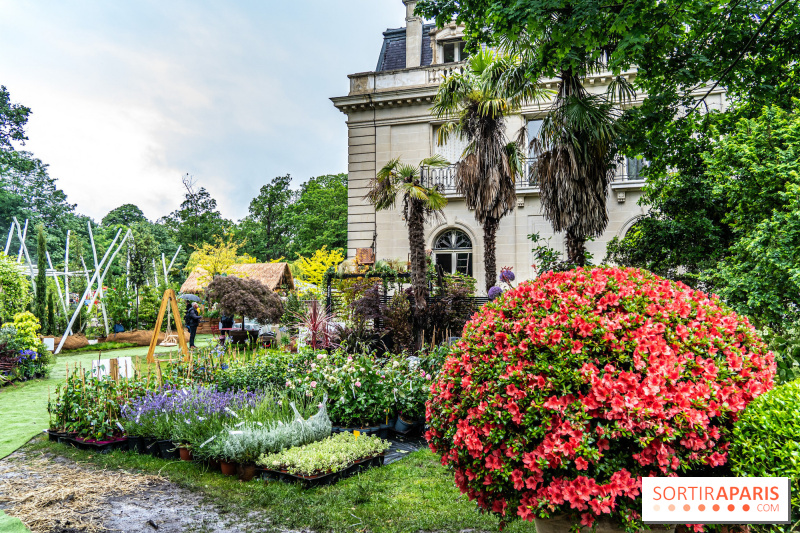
(393, 51)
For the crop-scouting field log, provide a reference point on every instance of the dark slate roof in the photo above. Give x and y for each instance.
(393, 52)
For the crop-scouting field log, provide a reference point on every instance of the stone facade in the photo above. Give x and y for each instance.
(388, 116)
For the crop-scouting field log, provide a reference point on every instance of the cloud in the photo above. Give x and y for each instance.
(128, 97)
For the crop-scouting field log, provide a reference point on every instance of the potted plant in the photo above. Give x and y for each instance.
(566, 390)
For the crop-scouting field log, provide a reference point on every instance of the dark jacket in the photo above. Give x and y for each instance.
(227, 322)
(191, 318)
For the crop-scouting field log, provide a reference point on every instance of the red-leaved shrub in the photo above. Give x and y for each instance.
(563, 393)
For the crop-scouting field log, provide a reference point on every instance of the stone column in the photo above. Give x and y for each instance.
(413, 35)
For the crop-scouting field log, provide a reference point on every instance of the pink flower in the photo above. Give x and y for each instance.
(313, 383)
(358, 384)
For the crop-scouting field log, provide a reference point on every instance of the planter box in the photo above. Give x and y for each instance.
(100, 446)
(325, 479)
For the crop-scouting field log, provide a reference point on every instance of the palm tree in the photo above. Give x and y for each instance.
(476, 102)
(419, 204)
(575, 160)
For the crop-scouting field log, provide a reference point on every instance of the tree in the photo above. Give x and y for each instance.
(487, 175)
(125, 215)
(13, 118)
(755, 172)
(197, 221)
(15, 293)
(318, 217)
(40, 305)
(246, 298)
(575, 163)
(142, 249)
(314, 267)
(217, 260)
(266, 229)
(51, 313)
(419, 204)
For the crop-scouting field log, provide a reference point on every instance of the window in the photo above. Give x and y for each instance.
(454, 52)
(534, 127)
(452, 149)
(452, 251)
(633, 167)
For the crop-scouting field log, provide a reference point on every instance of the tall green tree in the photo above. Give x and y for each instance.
(197, 221)
(266, 229)
(13, 118)
(125, 215)
(318, 216)
(40, 304)
(419, 203)
(142, 249)
(15, 289)
(476, 102)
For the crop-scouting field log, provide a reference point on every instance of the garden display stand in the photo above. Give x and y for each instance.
(171, 300)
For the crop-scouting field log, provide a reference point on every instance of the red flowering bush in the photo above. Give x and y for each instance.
(563, 393)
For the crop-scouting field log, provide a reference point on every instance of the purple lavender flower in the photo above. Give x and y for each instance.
(494, 292)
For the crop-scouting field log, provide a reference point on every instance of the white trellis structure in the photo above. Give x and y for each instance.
(94, 279)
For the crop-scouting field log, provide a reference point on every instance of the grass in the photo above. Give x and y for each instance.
(414, 494)
(104, 346)
(23, 406)
(9, 524)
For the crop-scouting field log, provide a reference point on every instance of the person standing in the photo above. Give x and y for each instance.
(192, 320)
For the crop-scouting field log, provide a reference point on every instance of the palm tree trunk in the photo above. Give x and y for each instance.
(489, 251)
(419, 267)
(576, 248)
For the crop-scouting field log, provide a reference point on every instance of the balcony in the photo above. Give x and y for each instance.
(627, 177)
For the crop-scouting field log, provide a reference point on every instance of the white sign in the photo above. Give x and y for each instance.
(103, 367)
(715, 500)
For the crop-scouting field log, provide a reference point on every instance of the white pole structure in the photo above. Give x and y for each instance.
(174, 257)
(100, 285)
(108, 265)
(85, 270)
(66, 273)
(22, 237)
(10, 236)
(58, 285)
(86, 292)
(164, 264)
(23, 248)
(155, 273)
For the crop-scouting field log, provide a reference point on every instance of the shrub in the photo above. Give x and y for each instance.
(263, 373)
(766, 440)
(567, 389)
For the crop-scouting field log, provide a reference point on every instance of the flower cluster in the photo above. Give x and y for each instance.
(563, 393)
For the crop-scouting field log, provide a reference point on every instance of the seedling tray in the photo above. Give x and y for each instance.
(308, 482)
(104, 446)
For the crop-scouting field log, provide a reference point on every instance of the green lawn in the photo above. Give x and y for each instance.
(23, 406)
(414, 494)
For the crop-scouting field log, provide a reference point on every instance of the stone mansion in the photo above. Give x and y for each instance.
(388, 116)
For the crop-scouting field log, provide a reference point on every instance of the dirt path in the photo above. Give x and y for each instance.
(55, 494)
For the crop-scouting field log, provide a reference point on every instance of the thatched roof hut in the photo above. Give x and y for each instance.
(273, 275)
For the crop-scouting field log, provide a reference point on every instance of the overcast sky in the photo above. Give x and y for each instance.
(129, 96)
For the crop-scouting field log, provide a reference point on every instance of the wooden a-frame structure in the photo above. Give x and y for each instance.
(171, 300)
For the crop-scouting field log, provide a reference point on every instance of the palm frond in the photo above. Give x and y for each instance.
(436, 160)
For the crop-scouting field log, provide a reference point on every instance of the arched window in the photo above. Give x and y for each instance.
(452, 250)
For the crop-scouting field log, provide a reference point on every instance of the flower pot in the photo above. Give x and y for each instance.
(134, 443)
(185, 453)
(563, 524)
(403, 426)
(151, 446)
(168, 449)
(228, 469)
(247, 471)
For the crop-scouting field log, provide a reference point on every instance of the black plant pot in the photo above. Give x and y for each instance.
(168, 449)
(151, 446)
